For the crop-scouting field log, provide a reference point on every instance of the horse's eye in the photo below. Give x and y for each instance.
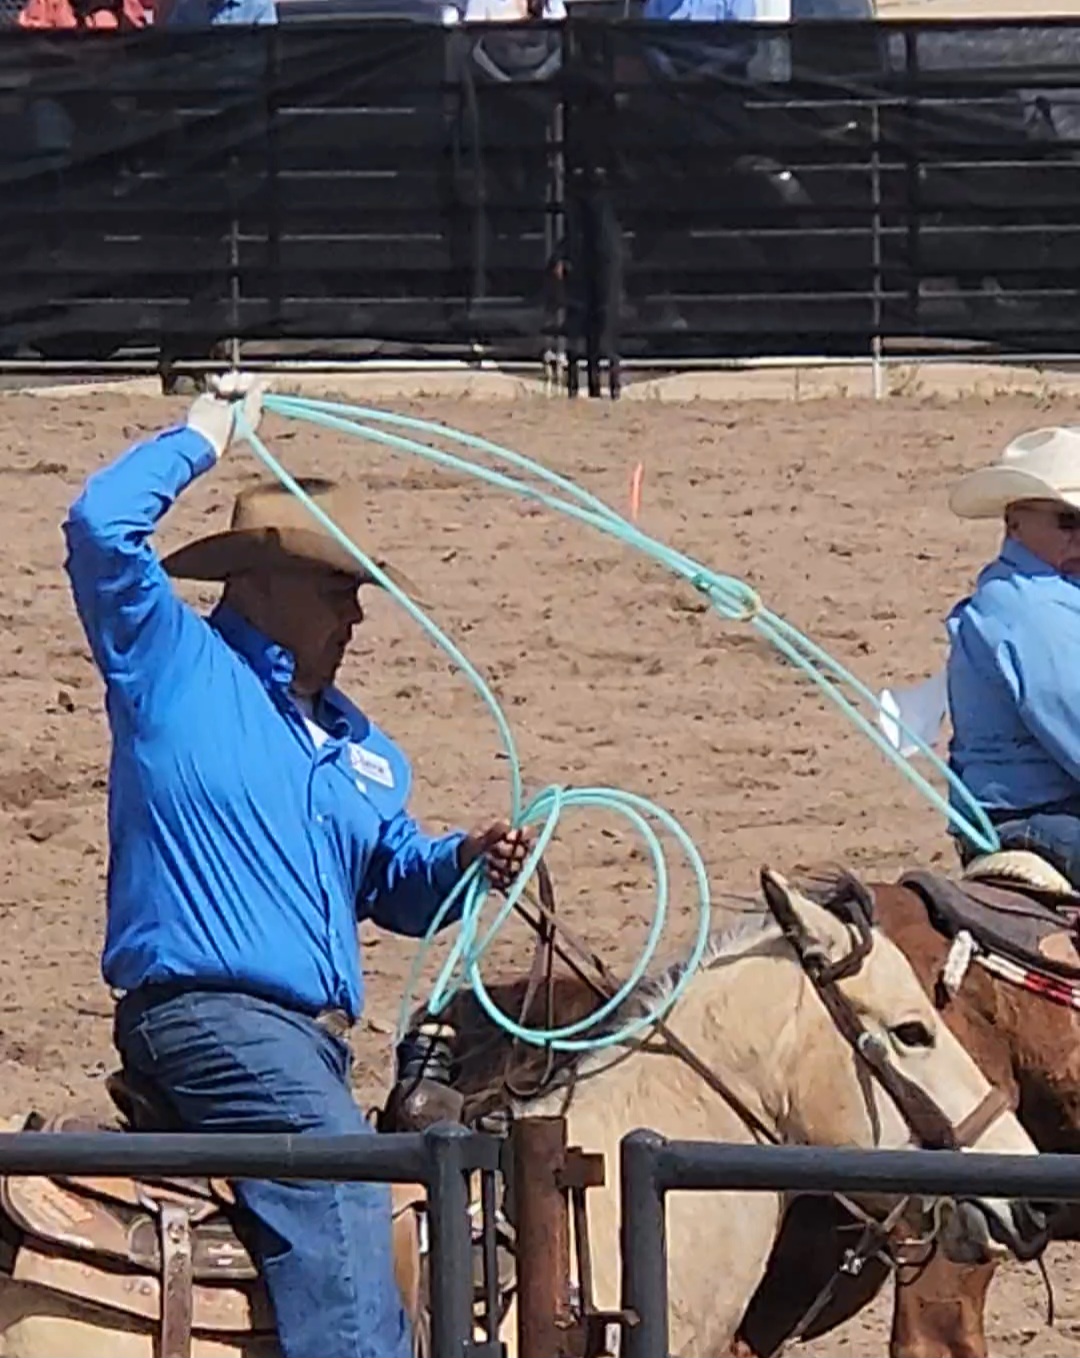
(913, 1034)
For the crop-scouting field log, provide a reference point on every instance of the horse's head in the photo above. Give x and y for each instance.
(882, 1069)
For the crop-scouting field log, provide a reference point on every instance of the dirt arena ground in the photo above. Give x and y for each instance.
(609, 671)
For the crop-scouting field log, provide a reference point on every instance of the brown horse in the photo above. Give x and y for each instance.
(1029, 1047)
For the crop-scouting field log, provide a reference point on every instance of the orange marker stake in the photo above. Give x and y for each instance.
(635, 491)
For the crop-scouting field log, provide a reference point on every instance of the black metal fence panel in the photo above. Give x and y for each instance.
(607, 187)
(372, 184)
(443, 1158)
(796, 191)
(652, 1166)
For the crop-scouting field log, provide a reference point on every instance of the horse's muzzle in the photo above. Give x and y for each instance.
(979, 1231)
(1032, 1225)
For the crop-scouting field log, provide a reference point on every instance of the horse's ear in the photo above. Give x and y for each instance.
(810, 928)
(838, 889)
(857, 893)
(783, 903)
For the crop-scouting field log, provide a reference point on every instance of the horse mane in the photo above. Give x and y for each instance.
(491, 1065)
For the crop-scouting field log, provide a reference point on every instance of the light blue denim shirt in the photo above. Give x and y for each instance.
(211, 13)
(1014, 683)
(702, 11)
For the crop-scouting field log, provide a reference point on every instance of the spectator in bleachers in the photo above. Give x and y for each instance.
(701, 55)
(212, 13)
(504, 11)
(84, 14)
(704, 11)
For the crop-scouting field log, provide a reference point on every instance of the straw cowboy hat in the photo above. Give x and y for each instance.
(271, 527)
(1041, 465)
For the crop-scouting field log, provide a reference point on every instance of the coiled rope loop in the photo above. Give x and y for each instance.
(730, 597)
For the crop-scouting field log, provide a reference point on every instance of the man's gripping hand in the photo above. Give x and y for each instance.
(213, 414)
(503, 849)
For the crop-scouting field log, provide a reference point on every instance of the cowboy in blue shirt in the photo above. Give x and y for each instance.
(680, 55)
(255, 814)
(214, 13)
(1015, 650)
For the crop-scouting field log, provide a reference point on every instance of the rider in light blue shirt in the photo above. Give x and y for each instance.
(1015, 650)
(702, 11)
(215, 13)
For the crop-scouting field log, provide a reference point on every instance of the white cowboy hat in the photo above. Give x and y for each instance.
(1041, 465)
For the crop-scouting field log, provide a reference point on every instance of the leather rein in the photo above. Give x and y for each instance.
(927, 1121)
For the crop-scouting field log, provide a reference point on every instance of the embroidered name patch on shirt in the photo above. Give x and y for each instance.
(368, 765)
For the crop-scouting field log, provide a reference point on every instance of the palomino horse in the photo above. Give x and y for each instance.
(1025, 1043)
(817, 1029)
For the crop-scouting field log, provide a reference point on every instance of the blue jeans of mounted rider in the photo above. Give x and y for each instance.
(1051, 831)
(228, 1062)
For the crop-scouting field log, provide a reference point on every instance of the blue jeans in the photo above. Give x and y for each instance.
(228, 1062)
(1052, 831)
(1053, 834)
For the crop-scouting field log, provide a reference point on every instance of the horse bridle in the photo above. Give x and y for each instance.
(929, 1123)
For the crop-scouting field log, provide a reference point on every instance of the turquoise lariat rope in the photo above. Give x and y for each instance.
(731, 598)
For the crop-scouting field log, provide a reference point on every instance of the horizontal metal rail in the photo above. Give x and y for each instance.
(442, 1158)
(385, 1158)
(715, 1165)
(651, 1167)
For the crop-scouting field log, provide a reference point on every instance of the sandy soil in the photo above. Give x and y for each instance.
(609, 671)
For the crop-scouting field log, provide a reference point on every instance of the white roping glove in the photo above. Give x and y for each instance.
(213, 414)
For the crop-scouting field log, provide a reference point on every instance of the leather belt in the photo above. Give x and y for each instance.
(334, 1021)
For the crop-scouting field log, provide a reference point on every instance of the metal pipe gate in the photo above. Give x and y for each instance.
(651, 1167)
(442, 1158)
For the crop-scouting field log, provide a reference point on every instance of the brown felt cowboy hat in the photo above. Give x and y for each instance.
(271, 529)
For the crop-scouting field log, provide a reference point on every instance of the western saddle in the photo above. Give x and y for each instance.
(165, 1250)
(1013, 904)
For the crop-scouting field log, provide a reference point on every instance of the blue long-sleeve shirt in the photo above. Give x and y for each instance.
(1014, 692)
(704, 11)
(242, 850)
(217, 13)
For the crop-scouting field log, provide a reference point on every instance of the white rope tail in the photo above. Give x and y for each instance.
(957, 963)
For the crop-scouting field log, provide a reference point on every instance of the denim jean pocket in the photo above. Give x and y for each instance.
(131, 1034)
